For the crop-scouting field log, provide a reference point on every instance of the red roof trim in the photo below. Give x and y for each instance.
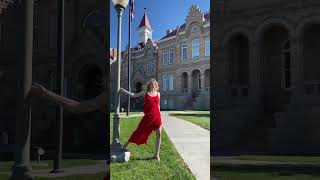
(145, 22)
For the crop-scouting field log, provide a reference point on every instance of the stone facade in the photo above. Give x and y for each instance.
(149, 55)
(85, 62)
(267, 95)
(191, 75)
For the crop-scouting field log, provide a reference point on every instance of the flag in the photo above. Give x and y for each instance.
(132, 8)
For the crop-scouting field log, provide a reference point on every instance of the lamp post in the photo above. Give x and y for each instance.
(22, 168)
(117, 154)
(60, 73)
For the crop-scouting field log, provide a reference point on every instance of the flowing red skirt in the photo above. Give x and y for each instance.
(148, 124)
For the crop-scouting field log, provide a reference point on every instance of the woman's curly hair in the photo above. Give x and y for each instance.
(156, 85)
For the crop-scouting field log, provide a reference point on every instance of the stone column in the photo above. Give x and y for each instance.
(190, 83)
(203, 80)
(255, 73)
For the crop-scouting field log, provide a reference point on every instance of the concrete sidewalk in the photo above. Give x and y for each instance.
(192, 142)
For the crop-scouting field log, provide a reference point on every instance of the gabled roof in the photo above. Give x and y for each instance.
(145, 22)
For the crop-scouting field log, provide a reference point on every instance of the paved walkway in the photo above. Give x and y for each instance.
(192, 142)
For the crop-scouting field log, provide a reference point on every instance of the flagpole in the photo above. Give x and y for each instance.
(129, 54)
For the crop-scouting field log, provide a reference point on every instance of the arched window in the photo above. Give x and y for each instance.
(286, 66)
(199, 81)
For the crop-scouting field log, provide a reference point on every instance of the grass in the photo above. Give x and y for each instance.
(200, 118)
(6, 166)
(98, 176)
(228, 171)
(295, 159)
(141, 166)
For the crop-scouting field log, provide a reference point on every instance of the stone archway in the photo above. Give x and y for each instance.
(196, 82)
(138, 87)
(275, 66)
(238, 50)
(184, 82)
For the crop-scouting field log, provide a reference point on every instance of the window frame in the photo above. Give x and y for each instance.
(284, 68)
(170, 82)
(164, 57)
(195, 50)
(171, 56)
(184, 52)
(207, 46)
(165, 82)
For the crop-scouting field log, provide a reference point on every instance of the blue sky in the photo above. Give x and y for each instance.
(162, 15)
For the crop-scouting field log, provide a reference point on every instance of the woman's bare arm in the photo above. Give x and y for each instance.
(97, 103)
(133, 95)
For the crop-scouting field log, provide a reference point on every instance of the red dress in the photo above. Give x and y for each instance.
(150, 121)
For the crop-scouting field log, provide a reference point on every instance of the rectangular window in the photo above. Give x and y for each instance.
(207, 47)
(164, 57)
(153, 67)
(171, 82)
(171, 56)
(287, 78)
(140, 68)
(165, 83)
(184, 53)
(53, 32)
(36, 37)
(195, 48)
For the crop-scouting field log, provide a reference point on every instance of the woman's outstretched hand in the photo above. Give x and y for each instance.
(37, 90)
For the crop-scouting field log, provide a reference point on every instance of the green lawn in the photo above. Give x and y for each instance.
(141, 166)
(98, 176)
(228, 171)
(200, 118)
(6, 166)
(295, 159)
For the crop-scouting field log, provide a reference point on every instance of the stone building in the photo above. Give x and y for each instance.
(180, 61)
(144, 59)
(184, 63)
(85, 62)
(267, 76)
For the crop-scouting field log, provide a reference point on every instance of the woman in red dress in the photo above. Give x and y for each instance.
(151, 120)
